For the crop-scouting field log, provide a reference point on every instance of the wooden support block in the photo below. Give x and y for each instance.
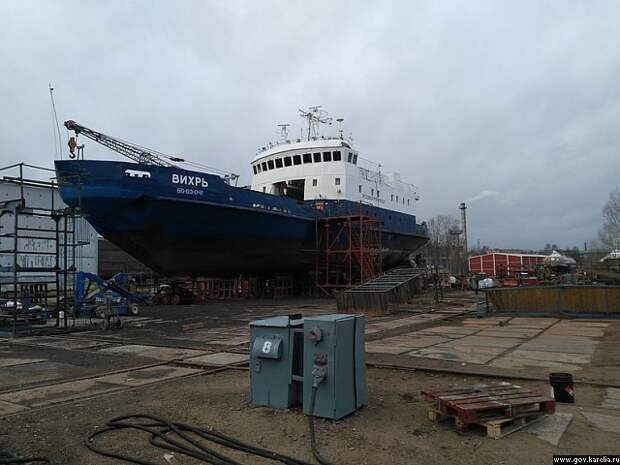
(434, 415)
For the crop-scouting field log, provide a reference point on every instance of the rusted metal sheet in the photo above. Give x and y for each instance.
(586, 300)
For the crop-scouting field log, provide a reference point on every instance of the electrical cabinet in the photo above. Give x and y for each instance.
(290, 356)
(275, 362)
(334, 349)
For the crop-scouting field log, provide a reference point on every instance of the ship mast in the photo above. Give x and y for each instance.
(315, 116)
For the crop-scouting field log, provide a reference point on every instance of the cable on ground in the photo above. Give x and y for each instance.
(315, 450)
(8, 459)
(183, 439)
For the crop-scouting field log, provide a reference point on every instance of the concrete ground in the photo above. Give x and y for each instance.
(54, 390)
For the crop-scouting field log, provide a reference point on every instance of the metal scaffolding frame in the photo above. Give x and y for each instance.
(61, 231)
(348, 251)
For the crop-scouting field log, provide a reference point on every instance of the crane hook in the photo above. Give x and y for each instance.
(72, 145)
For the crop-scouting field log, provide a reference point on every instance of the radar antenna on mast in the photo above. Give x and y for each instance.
(340, 120)
(315, 116)
(284, 132)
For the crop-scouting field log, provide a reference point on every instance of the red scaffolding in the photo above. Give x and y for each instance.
(348, 251)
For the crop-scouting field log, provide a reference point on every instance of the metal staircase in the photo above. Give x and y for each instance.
(383, 294)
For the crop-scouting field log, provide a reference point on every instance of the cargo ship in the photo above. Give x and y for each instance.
(199, 223)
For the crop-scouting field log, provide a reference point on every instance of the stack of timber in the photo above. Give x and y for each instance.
(501, 408)
(383, 294)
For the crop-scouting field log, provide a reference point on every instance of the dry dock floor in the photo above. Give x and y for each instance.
(187, 363)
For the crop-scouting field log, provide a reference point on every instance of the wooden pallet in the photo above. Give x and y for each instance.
(496, 429)
(485, 402)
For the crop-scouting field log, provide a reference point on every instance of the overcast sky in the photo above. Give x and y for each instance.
(514, 106)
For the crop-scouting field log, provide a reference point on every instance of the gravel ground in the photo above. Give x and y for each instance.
(392, 429)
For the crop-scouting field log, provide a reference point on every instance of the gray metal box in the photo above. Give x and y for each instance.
(275, 362)
(342, 341)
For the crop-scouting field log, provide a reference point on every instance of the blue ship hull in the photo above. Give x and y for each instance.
(191, 223)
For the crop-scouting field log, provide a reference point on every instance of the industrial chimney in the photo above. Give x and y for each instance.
(463, 207)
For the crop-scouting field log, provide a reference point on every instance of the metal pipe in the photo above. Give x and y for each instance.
(65, 264)
(15, 252)
(21, 180)
(57, 268)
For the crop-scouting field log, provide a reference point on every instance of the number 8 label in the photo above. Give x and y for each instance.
(266, 347)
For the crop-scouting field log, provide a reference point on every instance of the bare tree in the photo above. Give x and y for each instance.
(609, 234)
(439, 250)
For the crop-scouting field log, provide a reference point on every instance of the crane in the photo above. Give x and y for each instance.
(131, 151)
(135, 152)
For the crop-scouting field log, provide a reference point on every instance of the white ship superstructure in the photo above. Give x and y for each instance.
(327, 168)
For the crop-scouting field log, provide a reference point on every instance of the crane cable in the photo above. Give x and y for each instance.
(56, 130)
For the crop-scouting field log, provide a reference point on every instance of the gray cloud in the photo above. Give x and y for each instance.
(462, 98)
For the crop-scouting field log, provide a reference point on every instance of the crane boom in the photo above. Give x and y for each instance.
(131, 151)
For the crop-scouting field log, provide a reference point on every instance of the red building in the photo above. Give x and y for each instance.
(498, 264)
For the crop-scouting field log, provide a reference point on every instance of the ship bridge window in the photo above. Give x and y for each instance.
(255, 170)
(327, 156)
(287, 161)
(337, 155)
(337, 181)
(317, 157)
(270, 164)
(307, 158)
(315, 182)
(264, 165)
(355, 159)
(296, 159)
(278, 163)
(350, 157)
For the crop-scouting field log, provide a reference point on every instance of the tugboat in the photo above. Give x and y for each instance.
(199, 223)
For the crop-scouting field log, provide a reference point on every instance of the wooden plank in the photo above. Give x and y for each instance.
(508, 399)
(491, 395)
(512, 403)
(497, 429)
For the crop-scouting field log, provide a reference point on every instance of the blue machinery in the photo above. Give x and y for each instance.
(90, 293)
(295, 359)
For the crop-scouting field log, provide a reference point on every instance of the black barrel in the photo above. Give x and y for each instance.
(562, 385)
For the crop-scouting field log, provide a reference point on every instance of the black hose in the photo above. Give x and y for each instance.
(315, 451)
(10, 460)
(183, 439)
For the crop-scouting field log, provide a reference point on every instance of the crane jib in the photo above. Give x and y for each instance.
(131, 151)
